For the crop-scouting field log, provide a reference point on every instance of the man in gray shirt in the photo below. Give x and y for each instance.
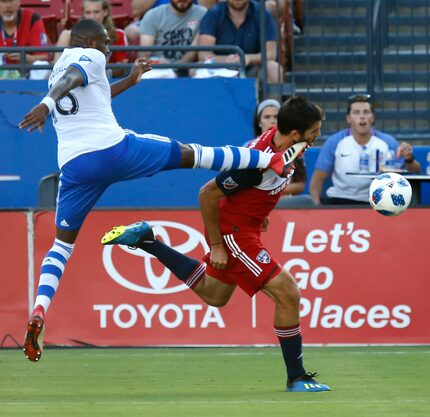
(173, 24)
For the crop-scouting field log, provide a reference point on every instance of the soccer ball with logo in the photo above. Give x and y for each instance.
(390, 194)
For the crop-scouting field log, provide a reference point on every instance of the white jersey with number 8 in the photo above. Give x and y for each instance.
(83, 119)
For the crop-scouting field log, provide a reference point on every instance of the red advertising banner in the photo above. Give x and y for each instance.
(362, 277)
(14, 278)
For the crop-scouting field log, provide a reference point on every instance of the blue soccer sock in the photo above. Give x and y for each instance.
(290, 340)
(185, 268)
(229, 157)
(52, 269)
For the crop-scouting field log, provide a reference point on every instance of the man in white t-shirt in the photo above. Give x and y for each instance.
(173, 24)
(95, 152)
(341, 154)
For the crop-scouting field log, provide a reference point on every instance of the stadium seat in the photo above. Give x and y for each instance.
(50, 11)
(121, 20)
(48, 189)
(51, 27)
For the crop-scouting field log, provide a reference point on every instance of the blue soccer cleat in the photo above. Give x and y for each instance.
(306, 383)
(129, 235)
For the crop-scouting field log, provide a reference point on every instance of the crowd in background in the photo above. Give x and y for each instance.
(172, 23)
(166, 23)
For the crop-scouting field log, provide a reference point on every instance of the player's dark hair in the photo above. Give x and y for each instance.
(297, 113)
(84, 29)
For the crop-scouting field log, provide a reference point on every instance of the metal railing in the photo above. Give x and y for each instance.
(380, 47)
(23, 67)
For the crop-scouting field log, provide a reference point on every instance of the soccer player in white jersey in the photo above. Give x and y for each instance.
(95, 152)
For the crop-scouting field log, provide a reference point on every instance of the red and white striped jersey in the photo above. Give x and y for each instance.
(245, 210)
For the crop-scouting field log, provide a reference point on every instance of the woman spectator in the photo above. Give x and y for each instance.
(100, 11)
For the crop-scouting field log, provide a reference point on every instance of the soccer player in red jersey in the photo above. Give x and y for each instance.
(20, 27)
(235, 208)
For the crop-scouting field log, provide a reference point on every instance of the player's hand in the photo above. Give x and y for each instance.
(35, 118)
(140, 66)
(219, 257)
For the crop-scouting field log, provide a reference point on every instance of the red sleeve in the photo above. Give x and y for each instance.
(37, 34)
(119, 56)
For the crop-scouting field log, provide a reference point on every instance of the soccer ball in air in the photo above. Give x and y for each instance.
(390, 194)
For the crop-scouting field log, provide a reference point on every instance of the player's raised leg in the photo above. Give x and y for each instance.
(187, 269)
(232, 157)
(284, 291)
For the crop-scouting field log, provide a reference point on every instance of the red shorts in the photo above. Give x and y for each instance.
(250, 265)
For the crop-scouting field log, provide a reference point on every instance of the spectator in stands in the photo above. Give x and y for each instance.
(20, 27)
(173, 24)
(237, 22)
(341, 154)
(140, 7)
(100, 11)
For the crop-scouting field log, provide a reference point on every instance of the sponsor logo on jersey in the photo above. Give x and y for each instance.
(43, 39)
(64, 223)
(85, 60)
(263, 257)
(229, 183)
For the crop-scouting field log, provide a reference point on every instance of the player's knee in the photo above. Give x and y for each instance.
(216, 301)
(289, 291)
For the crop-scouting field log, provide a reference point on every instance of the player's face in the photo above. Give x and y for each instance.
(238, 4)
(101, 42)
(181, 5)
(9, 10)
(360, 118)
(268, 118)
(94, 11)
(311, 135)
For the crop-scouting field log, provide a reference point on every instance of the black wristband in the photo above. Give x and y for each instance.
(410, 160)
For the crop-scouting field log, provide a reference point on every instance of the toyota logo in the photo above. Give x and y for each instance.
(156, 283)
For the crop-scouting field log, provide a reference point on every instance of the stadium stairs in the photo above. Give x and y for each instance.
(331, 61)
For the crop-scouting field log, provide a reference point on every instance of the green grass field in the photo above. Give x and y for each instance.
(173, 382)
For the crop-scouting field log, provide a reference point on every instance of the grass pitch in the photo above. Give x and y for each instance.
(218, 382)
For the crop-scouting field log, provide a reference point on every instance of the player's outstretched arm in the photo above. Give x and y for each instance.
(36, 117)
(140, 66)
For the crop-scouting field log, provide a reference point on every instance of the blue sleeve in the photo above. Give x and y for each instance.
(390, 140)
(82, 71)
(271, 33)
(208, 23)
(230, 182)
(326, 157)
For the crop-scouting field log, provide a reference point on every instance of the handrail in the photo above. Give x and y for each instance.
(225, 48)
